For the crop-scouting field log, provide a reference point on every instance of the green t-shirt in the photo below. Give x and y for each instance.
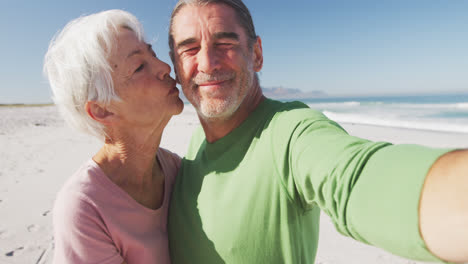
(254, 196)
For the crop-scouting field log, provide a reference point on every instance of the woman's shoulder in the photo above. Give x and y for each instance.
(168, 156)
(78, 191)
(170, 162)
(80, 228)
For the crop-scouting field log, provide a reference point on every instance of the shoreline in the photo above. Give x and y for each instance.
(27, 105)
(397, 135)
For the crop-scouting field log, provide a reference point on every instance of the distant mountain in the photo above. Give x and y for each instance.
(289, 93)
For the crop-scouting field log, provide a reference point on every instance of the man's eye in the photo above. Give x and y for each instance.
(224, 45)
(191, 50)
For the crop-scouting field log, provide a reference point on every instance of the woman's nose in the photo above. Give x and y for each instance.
(162, 69)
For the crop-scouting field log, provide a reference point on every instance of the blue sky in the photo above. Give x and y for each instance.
(340, 47)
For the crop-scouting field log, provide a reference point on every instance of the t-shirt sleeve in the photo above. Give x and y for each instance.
(80, 234)
(369, 189)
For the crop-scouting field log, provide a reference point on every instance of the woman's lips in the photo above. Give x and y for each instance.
(174, 90)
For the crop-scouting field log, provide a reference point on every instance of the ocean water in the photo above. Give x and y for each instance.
(441, 112)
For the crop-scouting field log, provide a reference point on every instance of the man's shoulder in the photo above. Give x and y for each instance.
(294, 111)
(293, 119)
(285, 105)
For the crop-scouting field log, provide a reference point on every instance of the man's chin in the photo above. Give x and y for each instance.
(216, 111)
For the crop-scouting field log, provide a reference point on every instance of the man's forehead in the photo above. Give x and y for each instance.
(191, 19)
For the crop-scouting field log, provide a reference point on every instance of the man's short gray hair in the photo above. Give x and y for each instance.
(242, 12)
(76, 65)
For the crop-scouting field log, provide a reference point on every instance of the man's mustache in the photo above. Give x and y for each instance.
(202, 78)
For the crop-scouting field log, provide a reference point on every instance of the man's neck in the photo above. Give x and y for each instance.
(216, 129)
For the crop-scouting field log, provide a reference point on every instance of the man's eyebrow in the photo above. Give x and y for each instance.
(138, 51)
(186, 42)
(218, 35)
(226, 35)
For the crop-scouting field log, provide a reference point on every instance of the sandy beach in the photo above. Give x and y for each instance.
(39, 152)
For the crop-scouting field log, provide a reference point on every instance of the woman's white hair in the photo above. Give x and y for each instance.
(76, 65)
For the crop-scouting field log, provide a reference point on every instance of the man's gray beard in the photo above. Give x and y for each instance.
(218, 110)
(221, 110)
(215, 109)
(215, 77)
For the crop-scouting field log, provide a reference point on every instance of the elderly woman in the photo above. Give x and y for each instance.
(107, 81)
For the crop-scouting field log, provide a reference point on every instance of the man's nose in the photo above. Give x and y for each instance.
(208, 61)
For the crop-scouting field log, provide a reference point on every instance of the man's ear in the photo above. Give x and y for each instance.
(258, 54)
(98, 112)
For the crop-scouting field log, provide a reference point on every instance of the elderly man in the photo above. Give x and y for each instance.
(258, 172)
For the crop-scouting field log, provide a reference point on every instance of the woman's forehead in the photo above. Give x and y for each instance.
(126, 45)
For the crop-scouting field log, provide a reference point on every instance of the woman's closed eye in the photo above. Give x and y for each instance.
(140, 68)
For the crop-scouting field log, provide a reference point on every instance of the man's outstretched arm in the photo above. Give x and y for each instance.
(443, 220)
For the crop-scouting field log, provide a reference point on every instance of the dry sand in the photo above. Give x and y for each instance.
(38, 152)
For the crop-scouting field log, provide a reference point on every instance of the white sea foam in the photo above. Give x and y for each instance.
(349, 104)
(352, 103)
(411, 123)
(392, 105)
(439, 113)
(462, 105)
(431, 106)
